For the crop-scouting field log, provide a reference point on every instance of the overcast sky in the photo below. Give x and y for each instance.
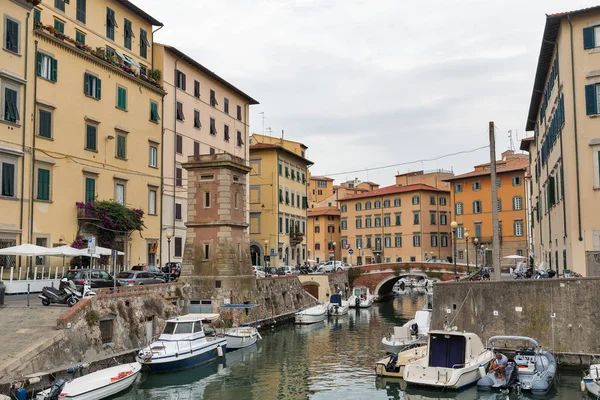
(367, 83)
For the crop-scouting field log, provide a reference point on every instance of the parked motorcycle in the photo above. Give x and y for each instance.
(567, 273)
(543, 274)
(66, 293)
(522, 271)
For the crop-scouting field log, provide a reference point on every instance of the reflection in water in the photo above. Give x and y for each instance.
(334, 359)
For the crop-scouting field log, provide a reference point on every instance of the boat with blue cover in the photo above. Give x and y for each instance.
(182, 344)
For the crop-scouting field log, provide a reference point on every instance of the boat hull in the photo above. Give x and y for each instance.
(448, 378)
(306, 319)
(592, 386)
(239, 340)
(185, 359)
(397, 346)
(396, 368)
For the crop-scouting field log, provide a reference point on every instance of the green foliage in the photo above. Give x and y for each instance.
(92, 317)
(353, 274)
(155, 74)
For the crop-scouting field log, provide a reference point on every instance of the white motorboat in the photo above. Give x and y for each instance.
(392, 365)
(591, 381)
(312, 315)
(452, 361)
(96, 385)
(411, 333)
(238, 338)
(182, 344)
(337, 306)
(361, 298)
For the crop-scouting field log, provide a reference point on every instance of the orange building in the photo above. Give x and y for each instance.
(472, 205)
(319, 189)
(323, 233)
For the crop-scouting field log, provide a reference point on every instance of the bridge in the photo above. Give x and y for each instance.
(380, 278)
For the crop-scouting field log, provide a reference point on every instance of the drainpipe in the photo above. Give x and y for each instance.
(162, 173)
(22, 206)
(277, 202)
(32, 159)
(575, 131)
(175, 146)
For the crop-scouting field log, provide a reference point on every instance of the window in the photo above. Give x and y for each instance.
(197, 123)
(110, 51)
(443, 219)
(178, 247)
(92, 86)
(280, 169)
(517, 203)
(45, 124)
(432, 200)
(179, 144)
(367, 205)
(498, 183)
(416, 240)
(432, 217)
(180, 116)
(121, 146)
(111, 24)
(206, 199)
(240, 141)
(416, 218)
(377, 222)
(121, 98)
(280, 224)
(323, 184)
(226, 105)
(47, 67)
(369, 242)
(458, 188)
(153, 159)
(344, 208)
(180, 80)
(368, 222)
(212, 150)
(398, 241)
(37, 15)
(386, 203)
(476, 186)
(317, 246)
(516, 181)
(197, 89)
(359, 243)
(120, 193)
(358, 223)
(460, 232)
(91, 137)
(591, 37)
(206, 251)
(477, 207)
(518, 227)
(416, 200)
(386, 220)
(387, 241)
(128, 34)
(8, 179)
(443, 201)
(90, 189)
(478, 230)
(239, 113)
(330, 229)
(444, 240)
(59, 5)
(80, 37)
(196, 148)
(178, 177)
(154, 117)
(43, 184)
(144, 44)
(377, 204)
(11, 103)
(398, 219)
(293, 199)
(213, 127)
(59, 26)
(434, 240)
(459, 208)
(358, 206)
(152, 201)
(12, 36)
(397, 203)
(226, 132)
(344, 224)
(461, 255)
(499, 204)
(213, 98)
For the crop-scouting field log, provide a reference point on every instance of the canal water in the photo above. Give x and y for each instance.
(331, 360)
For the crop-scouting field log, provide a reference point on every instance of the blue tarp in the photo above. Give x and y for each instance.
(238, 306)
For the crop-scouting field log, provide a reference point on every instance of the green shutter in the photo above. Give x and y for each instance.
(591, 103)
(588, 38)
(8, 179)
(11, 107)
(91, 138)
(121, 98)
(12, 35)
(564, 259)
(86, 83)
(98, 88)
(43, 184)
(37, 15)
(45, 122)
(54, 70)
(39, 59)
(121, 146)
(90, 189)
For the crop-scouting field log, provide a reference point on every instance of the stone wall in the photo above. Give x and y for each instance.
(561, 314)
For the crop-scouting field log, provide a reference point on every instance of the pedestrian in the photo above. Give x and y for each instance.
(346, 290)
(485, 273)
(498, 365)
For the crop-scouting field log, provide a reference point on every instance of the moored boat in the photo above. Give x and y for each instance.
(311, 315)
(411, 333)
(393, 364)
(337, 306)
(591, 381)
(361, 298)
(240, 337)
(94, 386)
(182, 344)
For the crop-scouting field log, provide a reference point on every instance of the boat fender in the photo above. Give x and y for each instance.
(219, 351)
(481, 371)
(33, 380)
(583, 388)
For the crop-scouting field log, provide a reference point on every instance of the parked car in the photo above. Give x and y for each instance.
(172, 270)
(134, 278)
(333, 266)
(258, 271)
(97, 278)
(271, 272)
(289, 270)
(154, 270)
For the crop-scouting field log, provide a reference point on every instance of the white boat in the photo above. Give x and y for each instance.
(96, 385)
(392, 365)
(361, 298)
(337, 306)
(182, 344)
(591, 381)
(411, 333)
(311, 315)
(238, 338)
(452, 361)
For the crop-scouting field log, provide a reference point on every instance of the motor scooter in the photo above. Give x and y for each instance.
(66, 293)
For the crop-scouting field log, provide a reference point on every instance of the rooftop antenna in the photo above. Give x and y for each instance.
(269, 130)
(510, 138)
(282, 135)
(263, 121)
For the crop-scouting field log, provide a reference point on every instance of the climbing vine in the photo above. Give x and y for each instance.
(353, 274)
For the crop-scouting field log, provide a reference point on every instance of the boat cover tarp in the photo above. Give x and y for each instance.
(447, 351)
(238, 306)
(336, 299)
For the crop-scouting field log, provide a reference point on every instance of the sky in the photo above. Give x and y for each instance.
(371, 83)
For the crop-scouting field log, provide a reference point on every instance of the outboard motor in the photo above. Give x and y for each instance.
(392, 363)
(56, 390)
(414, 329)
(357, 301)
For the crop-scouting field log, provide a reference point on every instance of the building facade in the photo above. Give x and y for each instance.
(278, 201)
(324, 234)
(472, 204)
(90, 120)
(210, 116)
(565, 148)
(396, 224)
(319, 189)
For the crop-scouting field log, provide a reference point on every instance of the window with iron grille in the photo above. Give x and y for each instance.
(106, 330)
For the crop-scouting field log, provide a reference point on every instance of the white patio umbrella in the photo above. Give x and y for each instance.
(28, 250)
(514, 257)
(69, 251)
(103, 251)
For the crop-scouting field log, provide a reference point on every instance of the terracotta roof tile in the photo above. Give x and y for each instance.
(321, 178)
(313, 212)
(510, 168)
(266, 146)
(393, 190)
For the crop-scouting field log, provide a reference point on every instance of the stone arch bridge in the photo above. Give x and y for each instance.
(380, 278)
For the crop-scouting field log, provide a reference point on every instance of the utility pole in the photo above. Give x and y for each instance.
(495, 224)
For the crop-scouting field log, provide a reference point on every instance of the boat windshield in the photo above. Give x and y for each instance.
(184, 327)
(170, 328)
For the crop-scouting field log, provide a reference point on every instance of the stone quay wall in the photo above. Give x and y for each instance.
(562, 315)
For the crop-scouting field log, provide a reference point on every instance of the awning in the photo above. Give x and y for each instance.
(128, 59)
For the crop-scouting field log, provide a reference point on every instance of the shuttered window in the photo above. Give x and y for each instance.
(11, 105)
(144, 44)
(80, 37)
(90, 189)
(240, 141)
(81, 10)
(154, 117)
(92, 86)
(121, 146)
(8, 179)
(37, 16)
(45, 124)
(59, 26)
(91, 136)
(43, 190)
(197, 89)
(213, 128)
(213, 98)
(180, 116)
(226, 133)
(128, 34)
(196, 148)
(180, 80)
(11, 35)
(197, 123)
(47, 67)
(239, 113)
(111, 24)
(121, 98)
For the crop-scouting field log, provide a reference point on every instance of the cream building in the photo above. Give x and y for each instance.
(90, 122)
(564, 187)
(203, 114)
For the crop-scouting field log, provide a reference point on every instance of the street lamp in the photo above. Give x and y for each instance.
(475, 241)
(266, 255)
(169, 236)
(454, 225)
(467, 249)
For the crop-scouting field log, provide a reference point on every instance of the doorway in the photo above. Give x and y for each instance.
(255, 255)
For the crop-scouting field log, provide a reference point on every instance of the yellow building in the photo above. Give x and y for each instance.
(323, 234)
(319, 189)
(93, 122)
(565, 147)
(472, 205)
(203, 114)
(278, 201)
